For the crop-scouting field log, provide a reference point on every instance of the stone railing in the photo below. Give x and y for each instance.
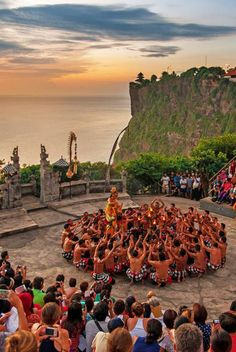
(76, 188)
(27, 189)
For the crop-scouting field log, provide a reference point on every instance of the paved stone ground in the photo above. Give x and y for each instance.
(14, 221)
(39, 249)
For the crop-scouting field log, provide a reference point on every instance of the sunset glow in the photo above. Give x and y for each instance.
(96, 47)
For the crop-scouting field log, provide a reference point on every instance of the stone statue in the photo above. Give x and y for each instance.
(33, 182)
(15, 158)
(124, 179)
(49, 180)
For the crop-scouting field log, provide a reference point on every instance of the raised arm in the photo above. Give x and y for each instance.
(109, 254)
(191, 254)
(144, 250)
(151, 262)
(131, 244)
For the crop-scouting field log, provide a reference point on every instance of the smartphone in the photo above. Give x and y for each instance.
(216, 321)
(20, 289)
(51, 332)
(87, 294)
(4, 294)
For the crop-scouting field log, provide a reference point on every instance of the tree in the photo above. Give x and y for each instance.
(140, 78)
(208, 162)
(217, 72)
(147, 170)
(189, 73)
(153, 78)
(225, 144)
(164, 75)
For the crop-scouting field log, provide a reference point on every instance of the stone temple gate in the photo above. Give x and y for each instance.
(12, 191)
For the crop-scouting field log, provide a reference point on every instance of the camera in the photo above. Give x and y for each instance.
(51, 332)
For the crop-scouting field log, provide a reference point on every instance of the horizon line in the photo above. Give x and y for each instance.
(63, 96)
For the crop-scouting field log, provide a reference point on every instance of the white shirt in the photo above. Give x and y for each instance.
(165, 180)
(12, 323)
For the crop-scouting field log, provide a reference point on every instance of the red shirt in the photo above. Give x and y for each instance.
(227, 186)
(233, 337)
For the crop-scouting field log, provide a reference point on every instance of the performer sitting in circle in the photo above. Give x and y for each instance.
(160, 276)
(68, 247)
(151, 238)
(137, 270)
(215, 256)
(200, 261)
(81, 260)
(99, 262)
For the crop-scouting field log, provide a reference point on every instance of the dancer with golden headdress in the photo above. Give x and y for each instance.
(112, 210)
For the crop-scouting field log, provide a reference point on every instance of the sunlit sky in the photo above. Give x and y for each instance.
(95, 47)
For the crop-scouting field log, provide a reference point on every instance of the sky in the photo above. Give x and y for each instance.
(95, 47)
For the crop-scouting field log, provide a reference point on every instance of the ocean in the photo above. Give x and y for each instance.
(29, 122)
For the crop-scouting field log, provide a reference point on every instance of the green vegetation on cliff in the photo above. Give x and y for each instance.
(210, 155)
(170, 116)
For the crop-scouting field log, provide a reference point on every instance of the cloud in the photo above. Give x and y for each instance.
(159, 51)
(11, 47)
(110, 22)
(32, 60)
(106, 46)
(48, 72)
(100, 46)
(4, 4)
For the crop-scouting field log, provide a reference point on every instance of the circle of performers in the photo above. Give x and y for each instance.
(153, 242)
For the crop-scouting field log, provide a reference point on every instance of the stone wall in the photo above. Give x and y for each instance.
(76, 188)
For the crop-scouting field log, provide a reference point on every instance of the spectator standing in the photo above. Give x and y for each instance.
(120, 341)
(137, 325)
(221, 341)
(177, 181)
(183, 186)
(228, 323)
(196, 188)
(149, 343)
(74, 323)
(165, 184)
(99, 323)
(188, 338)
(38, 293)
(200, 316)
(189, 186)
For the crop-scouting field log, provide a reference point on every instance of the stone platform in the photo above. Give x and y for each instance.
(34, 214)
(213, 207)
(14, 221)
(76, 206)
(40, 251)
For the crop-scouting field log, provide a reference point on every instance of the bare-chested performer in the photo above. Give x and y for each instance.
(79, 259)
(222, 244)
(122, 263)
(110, 262)
(215, 256)
(179, 273)
(99, 261)
(200, 260)
(65, 233)
(160, 276)
(68, 247)
(136, 271)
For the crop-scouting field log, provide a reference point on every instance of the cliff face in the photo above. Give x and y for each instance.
(171, 115)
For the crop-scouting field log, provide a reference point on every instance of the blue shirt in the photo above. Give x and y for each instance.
(177, 181)
(141, 346)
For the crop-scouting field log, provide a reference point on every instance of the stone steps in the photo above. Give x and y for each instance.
(14, 221)
(221, 209)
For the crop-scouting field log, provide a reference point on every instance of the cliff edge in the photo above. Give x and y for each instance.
(171, 115)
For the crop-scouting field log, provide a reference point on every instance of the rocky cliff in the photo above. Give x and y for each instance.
(171, 115)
